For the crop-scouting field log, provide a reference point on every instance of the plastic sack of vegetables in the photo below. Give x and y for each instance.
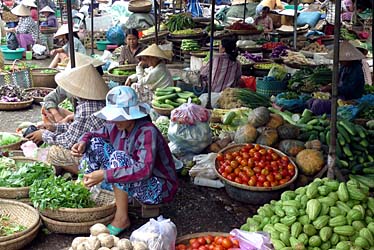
(294, 104)
(189, 131)
(158, 234)
(279, 72)
(252, 240)
(319, 106)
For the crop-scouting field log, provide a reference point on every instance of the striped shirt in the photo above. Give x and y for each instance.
(149, 152)
(67, 134)
(330, 11)
(27, 26)
(225, 73)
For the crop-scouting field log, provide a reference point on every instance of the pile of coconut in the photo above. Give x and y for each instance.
(100, 239)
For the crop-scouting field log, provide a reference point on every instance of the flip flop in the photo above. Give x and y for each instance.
(115, 230)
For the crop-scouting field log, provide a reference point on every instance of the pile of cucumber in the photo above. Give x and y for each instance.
(172, 97)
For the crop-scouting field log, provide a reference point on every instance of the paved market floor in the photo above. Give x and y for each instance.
(195, 209)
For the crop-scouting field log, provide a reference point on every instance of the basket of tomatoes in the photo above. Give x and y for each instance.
(253, 173)
(207, 241)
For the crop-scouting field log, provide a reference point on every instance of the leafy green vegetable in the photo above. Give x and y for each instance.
(66, 104)
(57, 192)
(22, 174)
(7, 227)
(7, 139)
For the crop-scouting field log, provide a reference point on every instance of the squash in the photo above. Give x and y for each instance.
(260, 130)
(288, 131)
(291, 147)
(245, 134)
(314, 144)
(259, 117)
(268, 137)
(275, 121)
(310, 161)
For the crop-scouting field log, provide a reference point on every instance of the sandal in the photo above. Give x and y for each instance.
(116, 230)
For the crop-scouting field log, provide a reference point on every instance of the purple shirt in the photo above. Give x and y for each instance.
(149, 152)
(52, 21)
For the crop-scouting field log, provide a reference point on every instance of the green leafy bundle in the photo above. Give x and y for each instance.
(7, 139)
(180, 22)
(57, 192)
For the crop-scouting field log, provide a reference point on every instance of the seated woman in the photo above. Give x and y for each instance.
(51, 20)
(151, 73)
(51, 112)
(227, 71)
(265, 20)
(131, 49)
(89, 88)
(129, 152)
(62, 54)
(272, 4)
(27, 29)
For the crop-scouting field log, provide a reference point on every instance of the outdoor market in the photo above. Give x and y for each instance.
(186, 125)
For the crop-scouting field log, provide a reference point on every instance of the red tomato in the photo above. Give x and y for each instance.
(264, 171)
(228, 169)
(181, 247)
(219, 247)
(201, 241)
(261, 178)
(284, 173)
(270, 177)
(229, 156)
(291, 172)
(283, 181)
(218, 240)
(238, 180)
(203, 248)
(192, 240)
(257, 169)
(227, 243)
(196, 244)
(266, 184)
(230, 177)
(257, 147)
(235, 154)
(245, 155)
(224, 174)
(234, 164)
(257, 156)
(251, 162)
(209, 239)
(220, 157)
(245, 179)
(290, 167)
(274, 183)
(262, 151)
(243, 162)
(275, 156)
(259, 184)
(249, 146)
(285, 158)
(237, 171)
(278, 176)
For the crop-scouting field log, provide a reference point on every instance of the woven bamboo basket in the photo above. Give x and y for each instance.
(105, 207)
(7, 106)
(38, 99)
(13, 146)
(20, 214)
(162, 111)
(185, 238)
(140, 6)
(71, 227)
(16, 192)
(123, 78)
(20, 242)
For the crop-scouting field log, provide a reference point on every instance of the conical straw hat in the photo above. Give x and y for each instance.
(358, 45)
(21, 10)
(64, 29)
(347, 52)
(82, 59)
(29, 3)
(84, 82)
(154, 51)
(47, 9)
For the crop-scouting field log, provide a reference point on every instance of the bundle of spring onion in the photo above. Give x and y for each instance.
(238, 97)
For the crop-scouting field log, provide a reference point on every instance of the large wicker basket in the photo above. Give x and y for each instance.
(105, 207)
(20, 242)
(20, 214)
(120, 78)
(140, 6)
(40, 79)
(162, 111)
(13, 146)
(8, 106)
(16, 192)
(73, 228)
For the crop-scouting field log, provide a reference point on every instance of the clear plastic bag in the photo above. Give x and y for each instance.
(185, 139)
(204, 166)
(252, 240)
(190, 114)
(158, 234)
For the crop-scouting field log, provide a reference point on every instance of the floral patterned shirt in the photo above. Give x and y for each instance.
(27, 26)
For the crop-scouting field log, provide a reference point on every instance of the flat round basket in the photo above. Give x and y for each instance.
(73, 228)
(151, 37)
(16, 192)
(255, 49)
(120, 78)
(185, 238)
(7, 106)
(20, 242)
(190, 36)
(244, 32)
(21, 214)
(13, 146)
(299, 66)
(48, 30)
(105, 207)
(39, 99)
(162, 111)
(237, 147)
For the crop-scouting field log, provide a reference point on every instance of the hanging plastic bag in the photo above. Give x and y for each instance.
(252, 240)
(158, 234)
(11, 40)
(115, 35)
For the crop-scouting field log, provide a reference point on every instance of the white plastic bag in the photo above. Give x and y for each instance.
(158, 234)
(204, 166)
(39, 49)
(252, 240)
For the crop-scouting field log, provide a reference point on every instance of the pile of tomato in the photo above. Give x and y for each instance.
(256, 166)
(271, 45)
(210, 242)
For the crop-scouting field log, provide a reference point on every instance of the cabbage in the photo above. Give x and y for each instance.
(7, 139)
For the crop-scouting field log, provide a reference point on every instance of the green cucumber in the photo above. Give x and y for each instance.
(174, 104)
(162, 93)
(313, 122)
(341, 140)
(161, 105)
(364, 143)
(181, 100)
(361, 131)
(343, 132)
(347, 151)
(165, 97)
(185, 94)
(351, 128)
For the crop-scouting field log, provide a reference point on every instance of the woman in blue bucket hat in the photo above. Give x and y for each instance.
(128, 152)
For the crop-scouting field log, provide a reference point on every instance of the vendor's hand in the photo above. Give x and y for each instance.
(36, 136)
(68, 119)
(128, 82)
(78, 149)
(47, 126)
(53, 52)
(91, 179)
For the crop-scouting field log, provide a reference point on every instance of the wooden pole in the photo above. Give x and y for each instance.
(155, 13)
(296, 3)
(245, 8)
(70, 35)
(372, 31)
(92, 27)
(331, 160)
(209, 103)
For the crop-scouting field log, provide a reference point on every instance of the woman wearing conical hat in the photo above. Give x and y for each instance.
(151, 73)
(51, 19)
